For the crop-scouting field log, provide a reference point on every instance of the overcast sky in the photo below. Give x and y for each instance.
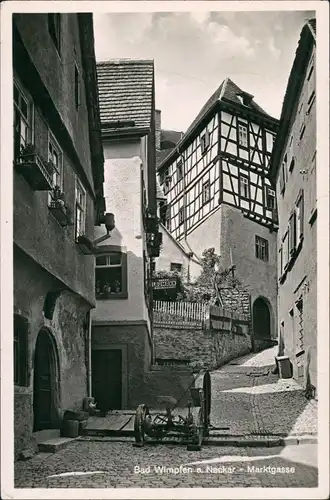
(195, 51)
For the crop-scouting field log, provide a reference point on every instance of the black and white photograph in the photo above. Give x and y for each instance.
(165, 249)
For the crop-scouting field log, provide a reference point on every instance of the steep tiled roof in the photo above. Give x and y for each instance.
(312, 25)
(125, 91)
(228, 91)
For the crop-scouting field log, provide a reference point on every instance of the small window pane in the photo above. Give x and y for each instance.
(101, 261)
(115, 258)
(24, 107)
(16, 94)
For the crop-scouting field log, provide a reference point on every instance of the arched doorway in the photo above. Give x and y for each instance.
(45, 383)
(261, 319)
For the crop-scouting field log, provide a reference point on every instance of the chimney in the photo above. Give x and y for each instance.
(158, 127)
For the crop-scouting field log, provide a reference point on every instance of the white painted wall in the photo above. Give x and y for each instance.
(122, 192)
(172, 253)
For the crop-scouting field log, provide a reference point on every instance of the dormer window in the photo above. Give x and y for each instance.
(245, 98)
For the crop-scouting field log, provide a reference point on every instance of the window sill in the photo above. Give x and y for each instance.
(112, 296)
(263, 260)
(290, 263)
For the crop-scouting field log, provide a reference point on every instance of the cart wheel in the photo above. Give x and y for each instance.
(207, 402)
(198, 432)
(139, 421)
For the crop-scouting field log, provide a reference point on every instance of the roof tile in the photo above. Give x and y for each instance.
(126, 91)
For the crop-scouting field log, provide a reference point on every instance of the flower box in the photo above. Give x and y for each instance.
(35, 171)
(85, 245)
(58, 208)
(59, 212)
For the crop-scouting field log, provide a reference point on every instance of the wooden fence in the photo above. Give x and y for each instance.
(180, 314)
(198, 315)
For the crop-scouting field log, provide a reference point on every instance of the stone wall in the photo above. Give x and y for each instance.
(133, 339)
(204, 348)
(67, 329)
(236, 300)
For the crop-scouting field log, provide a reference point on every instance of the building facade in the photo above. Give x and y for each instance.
(58, 197)
(219, 194)
(294, 169)
(122, 336)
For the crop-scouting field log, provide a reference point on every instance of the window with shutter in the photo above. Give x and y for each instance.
(20, 338)
(292, 233)
(300, 217)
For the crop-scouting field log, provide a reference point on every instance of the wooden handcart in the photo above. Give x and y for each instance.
(191, 428)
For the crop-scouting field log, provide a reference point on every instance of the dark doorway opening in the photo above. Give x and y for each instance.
(45, 385)
(107, 379)
(261, 320)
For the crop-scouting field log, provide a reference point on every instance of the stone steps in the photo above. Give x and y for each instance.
(55, 444)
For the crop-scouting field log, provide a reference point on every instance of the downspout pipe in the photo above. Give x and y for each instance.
(89, 354)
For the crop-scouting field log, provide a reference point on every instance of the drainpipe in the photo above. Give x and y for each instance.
(89, 354)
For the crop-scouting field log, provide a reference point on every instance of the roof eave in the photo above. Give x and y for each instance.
(187, 138)
(126, 133)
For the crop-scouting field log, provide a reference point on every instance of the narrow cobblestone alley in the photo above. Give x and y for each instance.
(244, 396)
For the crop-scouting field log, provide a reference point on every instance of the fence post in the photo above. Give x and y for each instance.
(207, 321)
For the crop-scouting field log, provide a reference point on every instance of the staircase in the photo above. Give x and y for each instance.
(50, 440)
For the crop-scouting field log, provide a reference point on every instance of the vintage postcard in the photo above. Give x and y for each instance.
(164, 249)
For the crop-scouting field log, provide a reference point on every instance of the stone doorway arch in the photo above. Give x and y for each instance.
(45, 383)
(261, 322)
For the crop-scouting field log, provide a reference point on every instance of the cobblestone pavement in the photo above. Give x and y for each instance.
(114, 465)
(247, 399)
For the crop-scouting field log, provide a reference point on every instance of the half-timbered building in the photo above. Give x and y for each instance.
(219, 194)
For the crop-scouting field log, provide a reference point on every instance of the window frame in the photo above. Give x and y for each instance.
(55, 29)
(55, 145)
(206, 199)
(79, 185)
(177, 267)
(179, 170)
(240, 127)
(299, 209)
(181, 216)
(261, 248)
(268, 196)
(247, 184)
(77, 87)
(205, 141)
(20, 351)
(292, 233)
(107, 251)
(28, 120)
(286, 250)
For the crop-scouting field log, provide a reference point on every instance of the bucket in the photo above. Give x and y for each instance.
(71, 428)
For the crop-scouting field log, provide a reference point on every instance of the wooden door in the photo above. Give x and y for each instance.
(43, 384)
(107, 379)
